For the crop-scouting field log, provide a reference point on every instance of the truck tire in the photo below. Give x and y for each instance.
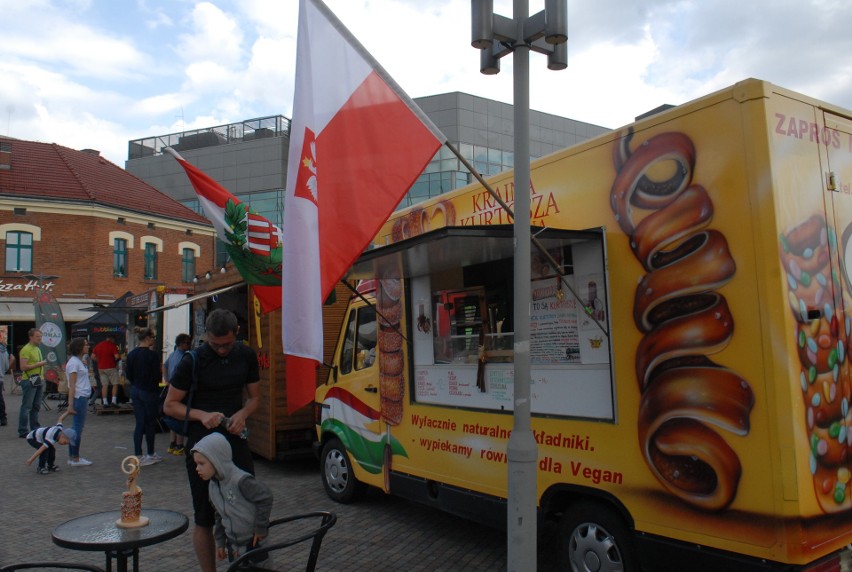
(337, 476)
(593, 538)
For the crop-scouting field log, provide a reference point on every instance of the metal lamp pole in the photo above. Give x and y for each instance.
(496, 36)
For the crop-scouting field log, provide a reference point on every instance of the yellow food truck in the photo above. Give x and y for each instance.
(690, 373)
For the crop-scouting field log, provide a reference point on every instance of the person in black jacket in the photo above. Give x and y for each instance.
(226, 369)
(144, 371)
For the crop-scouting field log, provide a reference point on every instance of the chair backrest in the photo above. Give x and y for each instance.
(327, 520)
(49, 566)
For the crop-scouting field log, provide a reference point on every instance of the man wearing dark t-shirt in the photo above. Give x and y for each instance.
(226, 370)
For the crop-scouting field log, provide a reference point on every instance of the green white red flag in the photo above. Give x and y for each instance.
(252, 242)
(357, 144)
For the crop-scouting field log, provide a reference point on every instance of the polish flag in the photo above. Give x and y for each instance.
(357, 144)
(252, 242)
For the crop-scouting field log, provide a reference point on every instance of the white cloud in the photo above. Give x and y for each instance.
(215, 37)
(121, 71)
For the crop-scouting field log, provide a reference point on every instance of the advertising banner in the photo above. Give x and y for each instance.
(48, 319)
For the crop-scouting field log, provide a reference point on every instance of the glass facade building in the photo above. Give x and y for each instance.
(249, 158)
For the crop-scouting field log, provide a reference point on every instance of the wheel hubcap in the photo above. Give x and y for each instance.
(593, 549)
(336, 473)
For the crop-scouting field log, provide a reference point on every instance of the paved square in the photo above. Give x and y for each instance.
(379, 533)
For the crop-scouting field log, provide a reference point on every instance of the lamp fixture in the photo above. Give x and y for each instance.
(208, 275)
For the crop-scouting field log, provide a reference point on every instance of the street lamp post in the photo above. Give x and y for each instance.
(497, 36)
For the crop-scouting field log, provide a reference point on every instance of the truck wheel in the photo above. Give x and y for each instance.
(337, 477)
(593, 538)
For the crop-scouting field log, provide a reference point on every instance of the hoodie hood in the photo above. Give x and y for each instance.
(218, 451)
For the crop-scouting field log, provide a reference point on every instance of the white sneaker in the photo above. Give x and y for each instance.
(145, 460)
(81, 462)
(156, 456)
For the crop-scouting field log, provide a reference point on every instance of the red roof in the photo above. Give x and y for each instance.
(51, 171)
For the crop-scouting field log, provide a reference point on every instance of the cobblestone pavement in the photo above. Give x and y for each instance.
(379, 533)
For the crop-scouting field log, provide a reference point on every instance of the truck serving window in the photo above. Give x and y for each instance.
(458, 317)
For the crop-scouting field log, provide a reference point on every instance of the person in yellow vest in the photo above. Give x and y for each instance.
(32, 383)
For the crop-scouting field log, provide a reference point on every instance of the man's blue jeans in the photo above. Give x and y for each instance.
(146, 405)
(30, 406)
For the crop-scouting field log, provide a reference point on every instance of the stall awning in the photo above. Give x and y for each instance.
(23, 311)
(191, 299)
(456, 247)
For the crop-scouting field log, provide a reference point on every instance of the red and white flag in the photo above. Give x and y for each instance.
(357, 144)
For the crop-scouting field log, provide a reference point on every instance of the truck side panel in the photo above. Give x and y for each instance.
(716, 408)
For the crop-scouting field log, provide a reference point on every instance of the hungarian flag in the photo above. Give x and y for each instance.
(252, 242)
(357, 144)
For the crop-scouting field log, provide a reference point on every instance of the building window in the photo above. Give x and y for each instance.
(188, 265)
(119, 258)
(150, 261)
(19, 251)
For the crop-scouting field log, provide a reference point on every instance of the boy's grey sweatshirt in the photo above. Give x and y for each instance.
(243, 504)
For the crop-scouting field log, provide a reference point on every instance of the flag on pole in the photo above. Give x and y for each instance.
(252, 242)
(357, 144)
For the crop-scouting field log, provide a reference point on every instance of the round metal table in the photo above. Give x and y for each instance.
(98, 532)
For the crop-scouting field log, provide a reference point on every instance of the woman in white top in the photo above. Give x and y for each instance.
(79, 391)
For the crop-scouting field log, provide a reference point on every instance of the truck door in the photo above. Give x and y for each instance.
(357, 405)
(836, 143)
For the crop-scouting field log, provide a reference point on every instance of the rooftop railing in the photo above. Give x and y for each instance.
(249, 130)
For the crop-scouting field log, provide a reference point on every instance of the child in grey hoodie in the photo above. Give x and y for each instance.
(243, 504)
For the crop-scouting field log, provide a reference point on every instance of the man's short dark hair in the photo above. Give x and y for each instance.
(220, 322)
(182, 339)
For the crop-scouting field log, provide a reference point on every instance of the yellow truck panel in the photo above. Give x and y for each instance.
(690, 373)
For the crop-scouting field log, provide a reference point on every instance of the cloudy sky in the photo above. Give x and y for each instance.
(98, 73)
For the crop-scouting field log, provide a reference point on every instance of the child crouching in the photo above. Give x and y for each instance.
(243, 504)
(44, 441)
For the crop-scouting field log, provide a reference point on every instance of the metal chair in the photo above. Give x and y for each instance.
(50, 566)
(327, 520)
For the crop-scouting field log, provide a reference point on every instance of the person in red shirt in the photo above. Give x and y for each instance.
(105, 355)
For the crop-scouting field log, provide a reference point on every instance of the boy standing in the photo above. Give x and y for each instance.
(44, 441)
(242, 503)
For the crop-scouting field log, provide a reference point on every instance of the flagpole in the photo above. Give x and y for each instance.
(496, 36)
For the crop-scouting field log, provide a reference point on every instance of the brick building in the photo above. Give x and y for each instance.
(89, 232)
